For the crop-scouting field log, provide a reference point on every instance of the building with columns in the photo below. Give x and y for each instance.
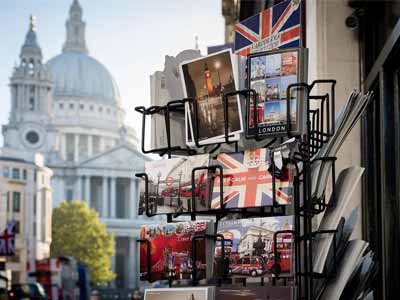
(69, 109)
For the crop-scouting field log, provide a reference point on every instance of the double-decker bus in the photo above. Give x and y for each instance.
(283, 262)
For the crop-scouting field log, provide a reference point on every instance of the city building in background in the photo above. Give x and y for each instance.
(166, 86)
(70, 110)
(26, 199)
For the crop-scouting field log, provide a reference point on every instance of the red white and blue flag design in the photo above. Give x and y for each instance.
(248, 183)
(274, 28)
(7, 240)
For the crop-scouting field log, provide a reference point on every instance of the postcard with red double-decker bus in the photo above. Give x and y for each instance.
(251, 248)
(170, 247)
(170, 185)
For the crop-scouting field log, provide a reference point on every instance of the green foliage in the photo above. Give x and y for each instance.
(78, 232)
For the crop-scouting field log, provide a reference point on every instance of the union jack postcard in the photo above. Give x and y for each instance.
(248, 182)
(275, 28)
(250, 246)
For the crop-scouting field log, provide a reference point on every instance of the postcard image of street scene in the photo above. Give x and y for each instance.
(170, 185)
(206, 80)
(202, 293)
(270, 76)
(171, 250)
(251, 249)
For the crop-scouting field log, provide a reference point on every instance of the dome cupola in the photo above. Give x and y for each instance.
(78, 75)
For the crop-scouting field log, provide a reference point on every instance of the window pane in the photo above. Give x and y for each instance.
(16, 201)
(15, 173)
(6, 172)
(24, 174)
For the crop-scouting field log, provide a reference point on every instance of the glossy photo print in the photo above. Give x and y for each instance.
(206, 80)
(270, 74)
(250, 246)
(170, 185)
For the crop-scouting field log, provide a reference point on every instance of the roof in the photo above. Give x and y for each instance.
(77, 74)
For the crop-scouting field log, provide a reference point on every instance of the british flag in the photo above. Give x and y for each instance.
(248, 183)
(274, 28)
(7, 240)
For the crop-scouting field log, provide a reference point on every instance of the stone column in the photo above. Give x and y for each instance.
(90, 145)
(76, 148)
(113, 202)
(101, 144)
(79, 195)
(63, 146)
(87, 190)
(133, 206)
(37, 99)
(105, 198)
(133, 269)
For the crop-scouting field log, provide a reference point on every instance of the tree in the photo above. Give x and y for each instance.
(78, 232)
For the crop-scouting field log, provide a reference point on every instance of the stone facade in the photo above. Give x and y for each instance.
(69, 109)
(26, 199)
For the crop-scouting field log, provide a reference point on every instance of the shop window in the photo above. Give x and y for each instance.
(16, 202)
(16, 173)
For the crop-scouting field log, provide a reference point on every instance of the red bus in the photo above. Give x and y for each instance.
(283, 263)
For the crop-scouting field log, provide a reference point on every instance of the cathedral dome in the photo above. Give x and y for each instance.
(77, 74)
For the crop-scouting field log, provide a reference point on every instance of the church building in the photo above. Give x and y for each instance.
(69, 109)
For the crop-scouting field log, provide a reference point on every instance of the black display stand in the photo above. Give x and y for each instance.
(319, 129)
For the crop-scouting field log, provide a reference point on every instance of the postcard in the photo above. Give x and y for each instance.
(171, 250)
(250, 246)
(274, 28)
(270, 74)
(170, 184)
(256, 293)
(247, 180)
(206, 80)
(192, 293)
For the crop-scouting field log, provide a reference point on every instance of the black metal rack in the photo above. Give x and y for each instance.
(320, 126)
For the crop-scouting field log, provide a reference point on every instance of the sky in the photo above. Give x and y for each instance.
(130, 37)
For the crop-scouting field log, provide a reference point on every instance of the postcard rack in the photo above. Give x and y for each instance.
(320, 127)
